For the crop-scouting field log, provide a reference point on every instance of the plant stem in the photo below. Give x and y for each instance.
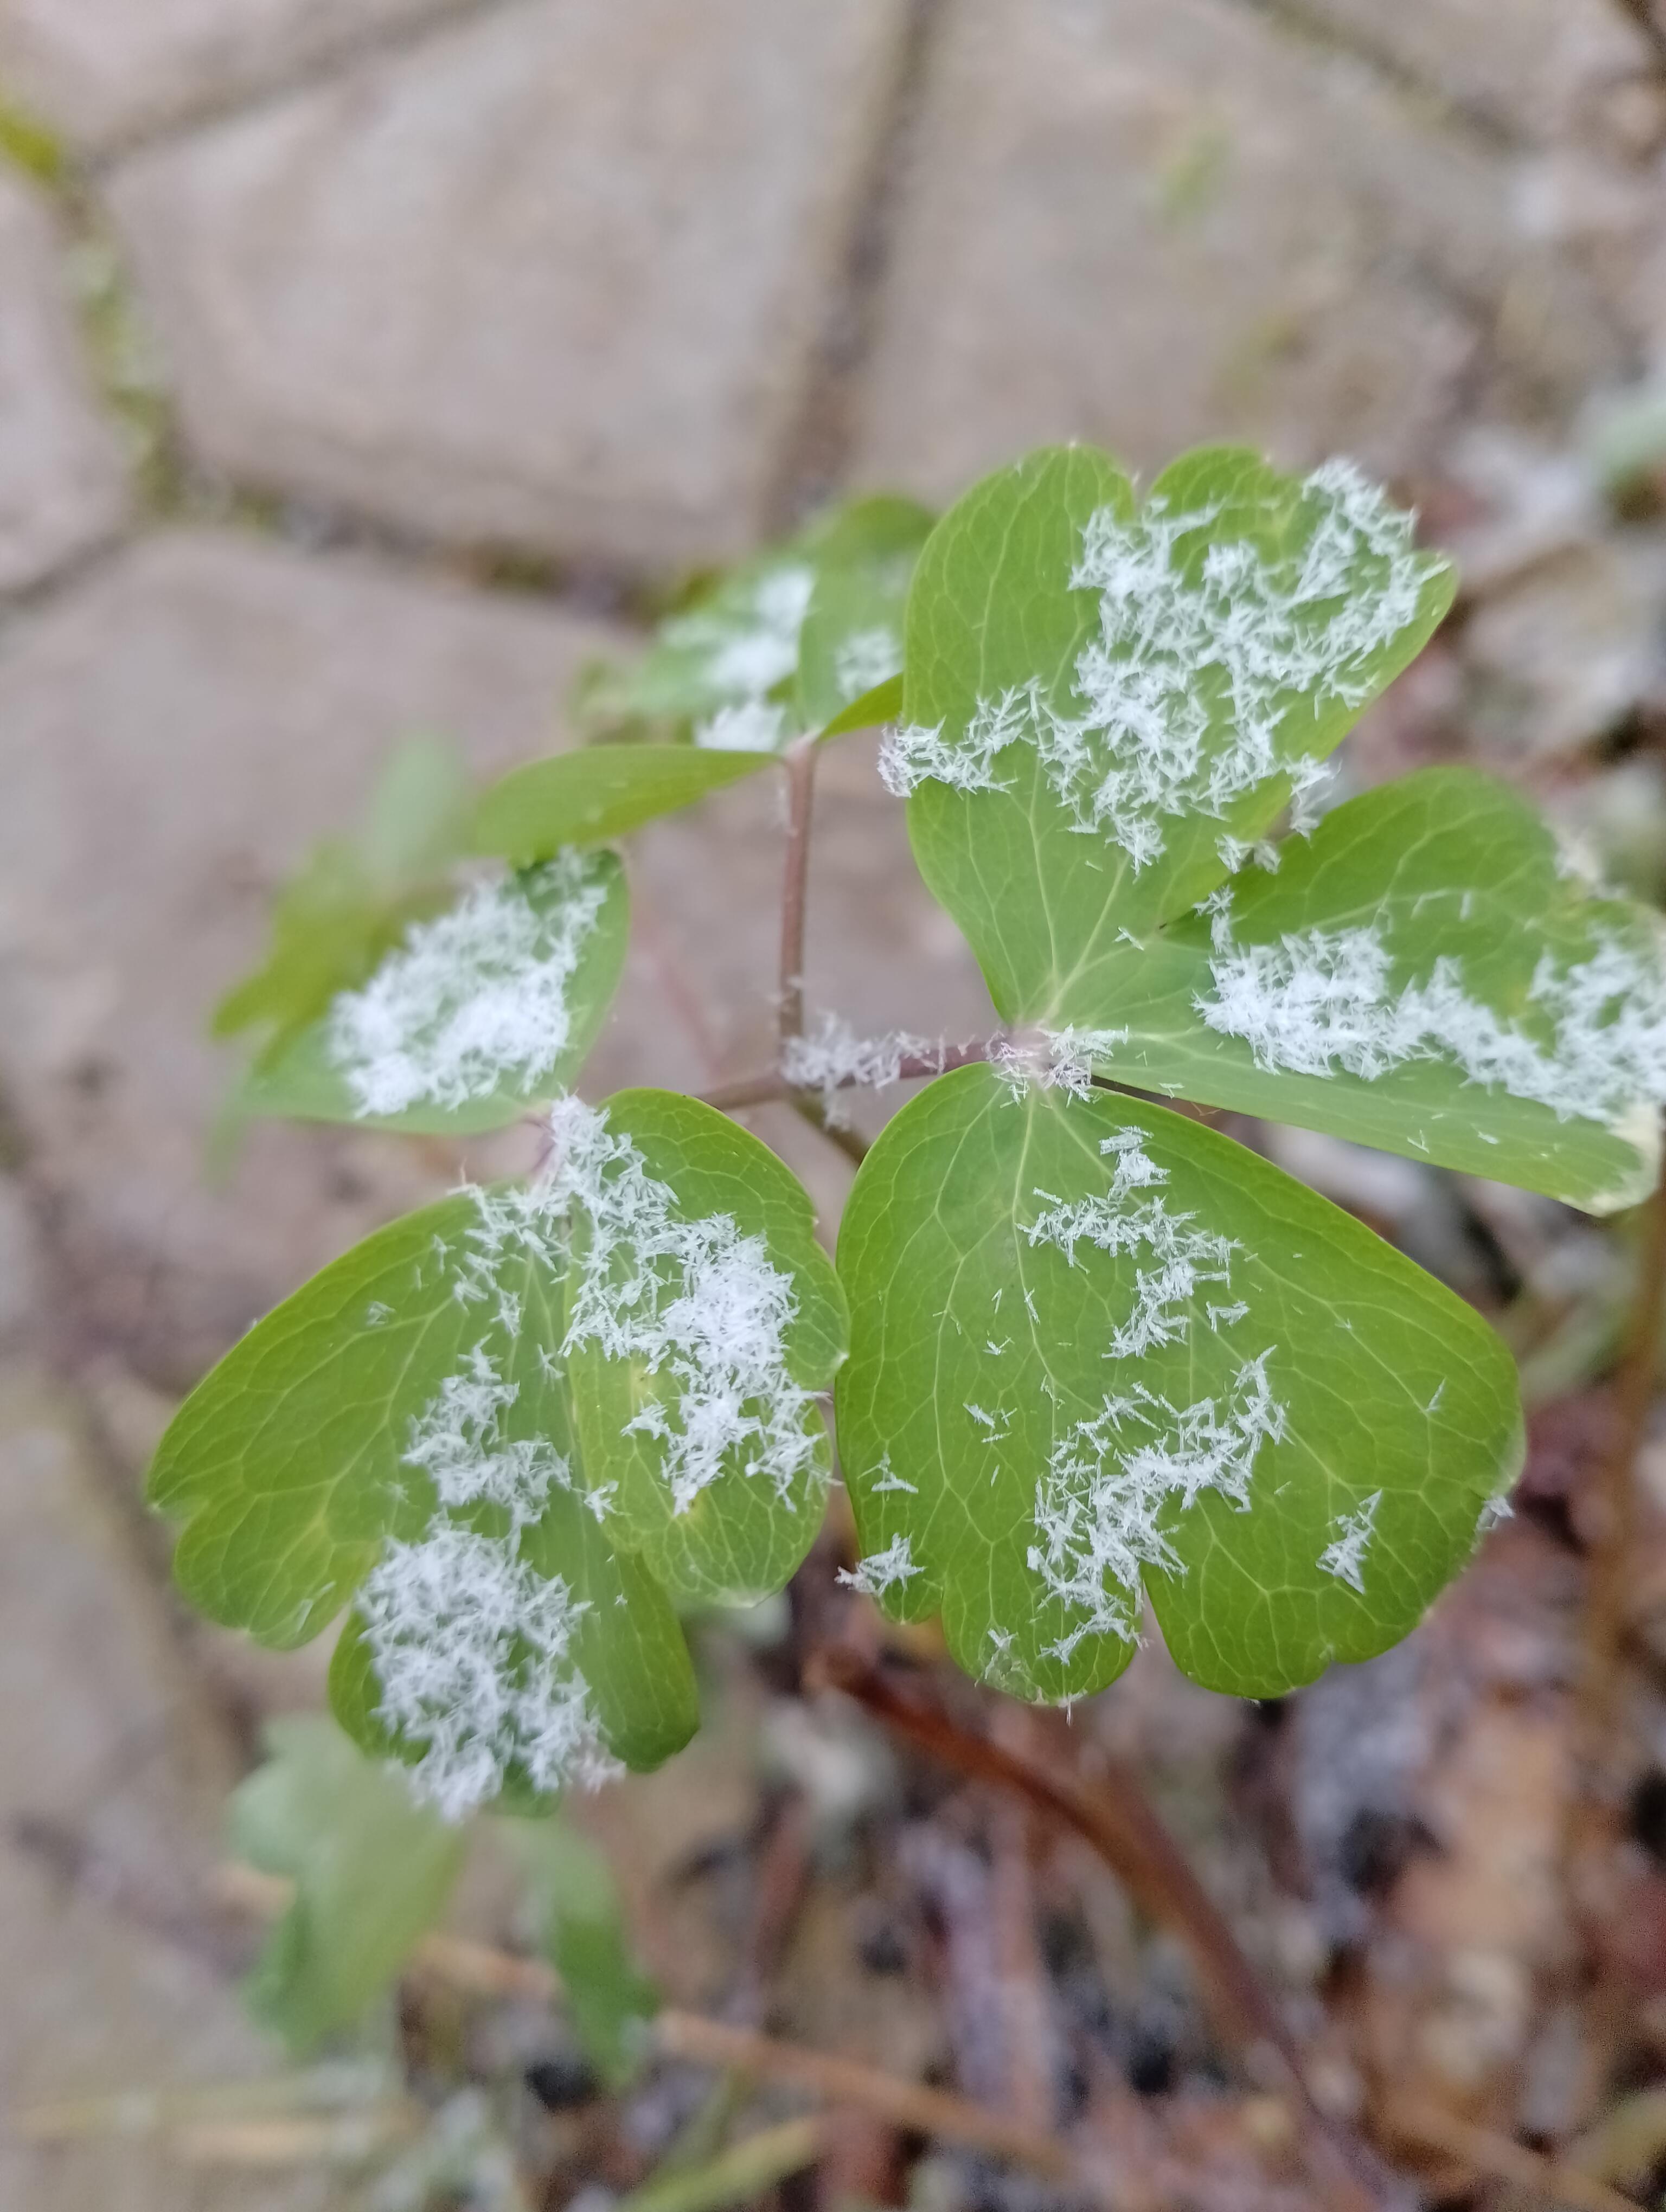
(770, 1084)
(1119, 1824)
(801, 763)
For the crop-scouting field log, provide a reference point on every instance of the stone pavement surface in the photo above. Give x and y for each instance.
(438, 285)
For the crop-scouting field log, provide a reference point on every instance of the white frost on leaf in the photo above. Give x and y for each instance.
(750, 726)
(1099, 1508)
(694, 1303)
(475, 999)
(749, 646)
(1116, 1221)
(835, 1059)
(472, 1649)
(1323, 1000)
(1206, 647)
(458, 1440)
(880, 1570)
(1345, 1555)
(1053, 1059)
(865, 659)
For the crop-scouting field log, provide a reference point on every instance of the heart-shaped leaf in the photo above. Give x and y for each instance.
(1426, 974)
(475, 1014)
(1097, 1345)
(399, 1432)
(1106, 704)
(704, 1322)
(599, 793)
(372, 1869)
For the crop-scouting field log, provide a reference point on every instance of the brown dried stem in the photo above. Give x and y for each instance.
(800, 763)
(1117, 1821)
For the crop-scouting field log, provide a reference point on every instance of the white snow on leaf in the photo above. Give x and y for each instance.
(1323, 1000)
(751, 647)
(472, 1652)
(750, 726)
(1053, 1059)
(1117, 1221)
(457, 1439)
(835, 1059)
(1100, 1506)
(475, 999)
(881, 1569)
(694, 1303)
(1206, 648)
(865, 659)
(1345, 1555)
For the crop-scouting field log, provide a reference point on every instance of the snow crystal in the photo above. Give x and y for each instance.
(1115, 1222)
(1179, 701)
(1320, 1000)
(836, 1058)
(1053, 1059)
(750, 726)
(474, 998)
(881, 1569)
(888, 1480)
(1099, 1506)
(865, 659)
(1345, 1556)
(472, 1650)
(457, 1440)
(693, 1300)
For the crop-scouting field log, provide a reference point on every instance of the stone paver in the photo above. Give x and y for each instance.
(1157, 226)
(1519, 70)
(552, 277)
(102, 71)
(61, 483)
(177, 733)
(101, 1735)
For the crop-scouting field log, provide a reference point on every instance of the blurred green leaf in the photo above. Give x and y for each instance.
(371, 1870)
(581, 1928)
(598, 793)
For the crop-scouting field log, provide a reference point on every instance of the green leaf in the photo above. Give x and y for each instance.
(1425, 975)
(1072, 1312)
(599, 793)
(610, 2000)
(371, 1870)
(884, 703)
(704, 1320)
(767, 651)
(1106, 704)
(401, 1429)
(475, 1015)
(353, 900)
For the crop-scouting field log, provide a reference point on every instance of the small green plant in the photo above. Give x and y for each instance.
(1084, 1351)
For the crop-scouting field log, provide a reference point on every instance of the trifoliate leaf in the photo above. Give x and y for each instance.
(476, 1014)
(704, 1320)
(1106, 703)
(582, 1927)
(726, 668)
(372, 1869)
(599, 793)
(1426, 974)
(399, 1433)
(1098, 1346)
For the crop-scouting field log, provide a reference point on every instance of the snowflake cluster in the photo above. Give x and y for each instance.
(474, 999)
(835, 1059)
(1204, 648)
(1323, 1000)
(746, 649)
(695, 1301)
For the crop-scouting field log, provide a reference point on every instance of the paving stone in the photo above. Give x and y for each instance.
(1152, 226)
(104, 71)
(552, 277)
(180, 730)
(1516, 68)
(60, 484)
(107, 1759)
